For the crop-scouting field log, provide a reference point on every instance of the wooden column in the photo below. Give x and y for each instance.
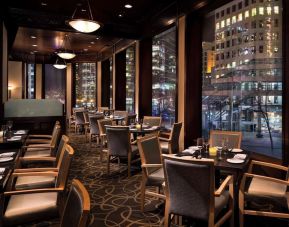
(105, 83)
(120, 80)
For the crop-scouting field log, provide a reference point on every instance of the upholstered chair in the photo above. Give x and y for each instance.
(152, 169)
(190, 191)
(261, 195)
(102, 130)
(94, 128)
(231, 139)
(122, 113)
(119, 146)
(152, 121)
(79, 120)
(171, 145)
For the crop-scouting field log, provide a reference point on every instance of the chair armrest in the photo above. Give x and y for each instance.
(41, 190)
(41, 146)
(133, 142)
(40, 159)
(164, 139)
(35, 170)
(226, 182)
(40, 136)
(272, 179)
(267, 164)
(151, 165)
(37, 141)
(44, 173)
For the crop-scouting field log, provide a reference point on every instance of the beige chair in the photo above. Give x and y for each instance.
(119, 146)
(30, 178)
(38, 204)
(231, 139)
(152, 121)
(152, 169)
(268, 193)
(190, 191)
(102, 108)
(171, 145)
(42, 150)
(102, 133)
(122, 113)
(94, 131)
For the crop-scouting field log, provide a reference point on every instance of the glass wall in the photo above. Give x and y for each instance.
(111, 84)
(85, 84)
(242, 73)
(164, 76)
(55, 83)
(130, 79)
(30, 81)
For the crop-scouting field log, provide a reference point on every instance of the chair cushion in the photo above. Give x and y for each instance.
(38, 153)
(221, 202)
(164, 147)
(27, 207)
(29, 182)
(156, 178)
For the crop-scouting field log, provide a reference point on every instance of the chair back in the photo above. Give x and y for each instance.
(189, 186)
(102, 108)
(77, 207)
(152, 121)
(102, 123)
(122, 113)
(64, 165)
(77, 109)
(131, 119)
(79, 118)
(85, 116)
(150, 152)
(118, 140)
(94, 129)
(55, 136)
(174, 137)
(231, 138)
(61, 147)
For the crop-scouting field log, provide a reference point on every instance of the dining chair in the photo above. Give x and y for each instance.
(94, 131)
(79, 120)
(22, 206)
(190, 191)
(102, 108)
(41, 177)
(131, 119)
(171, 145)
(119, 146)
(122, 113)
(152, 168)
(152, 121)
(232, 139)
(42, 149)
(261, 195)
(86, 124)
(102, 134)
(27, 206)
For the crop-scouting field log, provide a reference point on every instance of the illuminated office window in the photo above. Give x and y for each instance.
(234, 19)
(164, 76)
(247, 14)
(228, 21)
(85, 84)
(30, 81)
(242, 88)
(130, 79)
(240, 17)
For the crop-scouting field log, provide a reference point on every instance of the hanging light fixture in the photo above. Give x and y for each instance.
(86, 24)
(64, 52)
(60, 63)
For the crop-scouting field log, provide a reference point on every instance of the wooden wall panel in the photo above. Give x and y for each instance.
(120, 80)
(105, 83)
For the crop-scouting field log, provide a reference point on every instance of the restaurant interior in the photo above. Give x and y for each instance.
(144, 113)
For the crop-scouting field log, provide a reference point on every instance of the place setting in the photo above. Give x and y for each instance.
(6, 157)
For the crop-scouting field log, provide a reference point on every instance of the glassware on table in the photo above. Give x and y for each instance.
(206, 145)
(4, 130)
(9, 125)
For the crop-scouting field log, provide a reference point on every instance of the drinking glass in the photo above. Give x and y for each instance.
(4, 129)
(9, 125)
(206, 145)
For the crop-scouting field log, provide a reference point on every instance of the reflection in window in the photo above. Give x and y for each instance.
(55, 83)
(85, 84)
(130, 79)
(111, 84)
(30, 81)
(246, 94)
(164, 76)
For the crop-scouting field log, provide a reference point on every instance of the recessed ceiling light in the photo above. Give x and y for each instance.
(33, 37)
(83, 10)
(43, 3)
(97, 37)
(89, 46)
(35, 51)
(92, 42)
(128, 6)
(85, 49)
(120, 15)
(34, 45)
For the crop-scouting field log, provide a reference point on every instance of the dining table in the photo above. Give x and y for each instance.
(142, 130)
(13, 139)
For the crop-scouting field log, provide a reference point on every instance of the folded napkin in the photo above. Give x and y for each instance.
(13, 138)
(154, 127)
(189, 151)
(240, 156)
(7, 154)
(19, 132)
(2, 170)
(1, 177)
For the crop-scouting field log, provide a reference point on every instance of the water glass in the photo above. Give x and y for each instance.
(9, 125)
(4, 129)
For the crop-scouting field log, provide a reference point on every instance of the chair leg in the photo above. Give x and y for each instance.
(167, 216)
(108, 164)
(128, 165)
(241, 209)
(142, 194)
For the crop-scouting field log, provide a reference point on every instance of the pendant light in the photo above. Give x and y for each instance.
(86, 24)
(60, 63)
(64, 52)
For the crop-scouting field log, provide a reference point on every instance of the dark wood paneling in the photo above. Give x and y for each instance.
(145, 77)
(105, 82)
(120, 80)
(1, 73)
(193, 92)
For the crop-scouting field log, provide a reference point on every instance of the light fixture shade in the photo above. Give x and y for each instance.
(60, 63)
(84, 25)
(66, 55)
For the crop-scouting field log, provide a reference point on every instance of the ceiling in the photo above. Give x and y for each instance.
(46, 20)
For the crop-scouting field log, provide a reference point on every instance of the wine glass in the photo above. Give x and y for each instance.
(9, 125)
(4, 129)
(200, 142)
(206, 145)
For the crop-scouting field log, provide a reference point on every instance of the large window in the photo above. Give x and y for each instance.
(30, 81)
(55, 83)
(85, 84)
(164, 76)
(130, 79)
(242, 74)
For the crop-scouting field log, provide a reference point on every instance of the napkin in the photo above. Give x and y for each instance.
(189, 151)
(240, 156)
(19, 132)
(2, 170)
(7, 154)
(13, 138)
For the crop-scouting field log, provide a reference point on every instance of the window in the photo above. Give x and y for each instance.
(85, 84)
(244, 92)
(164, 76)
(30, 90)
(130, 79)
